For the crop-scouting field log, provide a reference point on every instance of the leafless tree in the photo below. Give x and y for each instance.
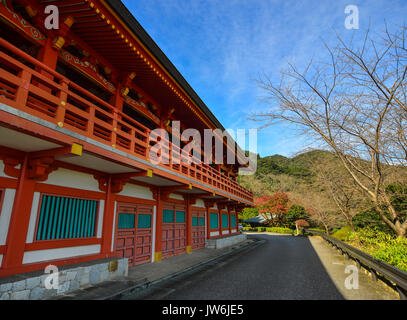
(321, 210)
(338, 186)
(355, 104)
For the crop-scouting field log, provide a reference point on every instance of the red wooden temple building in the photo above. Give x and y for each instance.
(77, 105)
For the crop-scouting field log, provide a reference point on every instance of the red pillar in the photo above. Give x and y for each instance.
(220, 221)
(108, 218)
(158, 228)
(229, 221)
(208, 231)
(19, 221)
(48, 55)
(189, 225)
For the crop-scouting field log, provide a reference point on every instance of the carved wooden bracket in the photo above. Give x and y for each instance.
(40, 168)
(116, 184)
(209, 203)
(156, 193)
(221, 205)
(102, 181)
(192, 199)
(164, 195)
(10, 167)
(231, 207)
(160, 194)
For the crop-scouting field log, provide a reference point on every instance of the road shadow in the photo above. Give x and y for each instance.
(290, 269)
(282, 268)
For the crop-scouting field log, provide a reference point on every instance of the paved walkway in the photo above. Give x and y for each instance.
(335, 265)
(282, 268)
(145, 275)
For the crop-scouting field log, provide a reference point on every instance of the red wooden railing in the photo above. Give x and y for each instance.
(29, 85)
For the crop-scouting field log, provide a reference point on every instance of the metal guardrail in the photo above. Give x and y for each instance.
(397, 277)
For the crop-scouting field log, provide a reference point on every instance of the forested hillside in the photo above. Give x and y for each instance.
(286, 174)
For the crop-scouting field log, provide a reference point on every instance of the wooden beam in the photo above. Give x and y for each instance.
(129, 175)
(174, 188)
(73, 150)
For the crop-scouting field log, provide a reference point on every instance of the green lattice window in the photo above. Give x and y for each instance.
(194, 221)
(201, 221)
(66, 218)
(233, 221)
(180, 217)
(225, 221)
(126, 221)
(168, 216)
(214, 223)
(144, 221)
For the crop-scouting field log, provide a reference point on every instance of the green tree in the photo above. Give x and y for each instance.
(296, 212)
(248, 213)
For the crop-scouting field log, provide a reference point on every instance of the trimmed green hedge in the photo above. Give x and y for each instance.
(316, 229)
(271, 229)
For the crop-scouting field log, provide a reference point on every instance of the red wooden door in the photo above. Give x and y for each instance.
(173, 230)
(134, 233)
(198, 229)
(144, 234)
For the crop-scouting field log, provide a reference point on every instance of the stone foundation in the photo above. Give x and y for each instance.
(220, 243)
(31, 286)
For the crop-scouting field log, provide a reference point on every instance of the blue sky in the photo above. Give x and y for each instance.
(221, 47)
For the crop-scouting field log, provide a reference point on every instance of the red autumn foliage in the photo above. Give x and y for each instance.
(302, 223)
(276, 205)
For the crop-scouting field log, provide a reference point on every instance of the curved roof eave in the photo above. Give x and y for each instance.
(120, 9)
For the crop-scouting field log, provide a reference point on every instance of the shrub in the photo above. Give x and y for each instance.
(265, 229)
(279, 230)
(382, 246)
(394, 253)
(343, 233)
(250, 229)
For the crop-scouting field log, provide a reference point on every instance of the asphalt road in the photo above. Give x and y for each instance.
(283, 267)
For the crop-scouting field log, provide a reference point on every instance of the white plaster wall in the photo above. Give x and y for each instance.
(199, 204)
(60, 253)
(73, 179)
(1, 259)
(33, 217)
(5, 214)
(225, 232)
(214, 233)
(132, 190)
(100, 218)
(176, 196)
